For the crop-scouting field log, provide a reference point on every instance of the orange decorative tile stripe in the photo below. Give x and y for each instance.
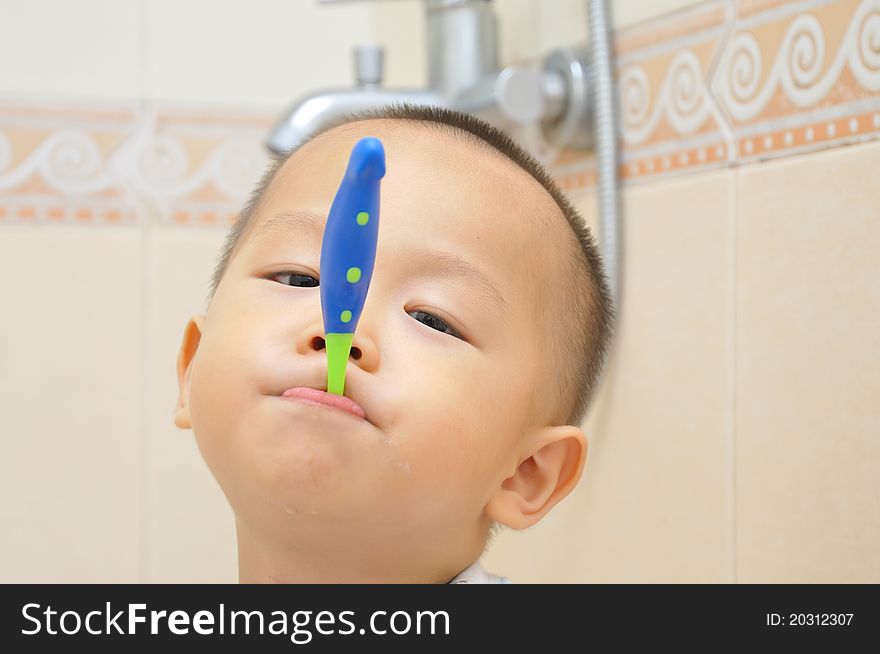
(729, 84)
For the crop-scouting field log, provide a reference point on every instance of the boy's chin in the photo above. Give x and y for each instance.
(301, 514)
(307, 491)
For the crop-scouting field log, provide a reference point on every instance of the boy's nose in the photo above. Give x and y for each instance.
(363, 348)
(318, 343)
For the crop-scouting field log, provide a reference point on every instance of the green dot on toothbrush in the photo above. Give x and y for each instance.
(353, 274)
(362, 218)
(345, 316)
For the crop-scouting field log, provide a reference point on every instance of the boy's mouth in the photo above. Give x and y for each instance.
(323, 398)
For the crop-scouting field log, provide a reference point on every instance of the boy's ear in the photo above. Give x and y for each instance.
(542, 479)
(192, 335)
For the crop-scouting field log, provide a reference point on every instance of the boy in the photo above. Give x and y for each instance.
(477, 353)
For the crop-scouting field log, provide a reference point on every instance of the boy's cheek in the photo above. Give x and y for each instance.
(447, 450)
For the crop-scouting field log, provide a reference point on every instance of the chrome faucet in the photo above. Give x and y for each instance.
(463, 74)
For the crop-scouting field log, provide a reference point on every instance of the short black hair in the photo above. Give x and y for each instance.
(585, 324)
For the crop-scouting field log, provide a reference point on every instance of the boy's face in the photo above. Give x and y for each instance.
(443, 415)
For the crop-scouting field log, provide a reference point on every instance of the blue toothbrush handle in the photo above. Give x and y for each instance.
(348, 252)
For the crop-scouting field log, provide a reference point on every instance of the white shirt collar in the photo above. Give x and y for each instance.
(475, 574)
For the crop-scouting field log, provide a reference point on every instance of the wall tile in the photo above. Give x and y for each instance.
(560, 23)
(400, 28)
(518, 30)
(71, 391)
(87, 49)
(630, 12)
(808, 369)
(566, 22)
(265, 53)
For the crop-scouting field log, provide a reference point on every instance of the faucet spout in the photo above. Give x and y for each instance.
(313, 112)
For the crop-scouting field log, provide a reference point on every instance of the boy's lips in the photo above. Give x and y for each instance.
(327, 399)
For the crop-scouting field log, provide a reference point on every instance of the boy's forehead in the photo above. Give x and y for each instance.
(439, 190)
(433, 178)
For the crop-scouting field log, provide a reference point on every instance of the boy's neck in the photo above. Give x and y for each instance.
(261, 561)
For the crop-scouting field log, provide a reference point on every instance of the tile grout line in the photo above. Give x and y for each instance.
(732, 389)
(733, 164)
(145, 404)
(144, 549)
(727, 128)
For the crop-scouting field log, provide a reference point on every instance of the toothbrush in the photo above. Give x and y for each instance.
(348, 252)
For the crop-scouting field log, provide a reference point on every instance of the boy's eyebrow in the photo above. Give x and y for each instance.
(302, 220)
(447, 263)
(453, 265)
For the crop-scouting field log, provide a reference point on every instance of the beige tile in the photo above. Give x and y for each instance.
(560, 23)
(399, 27)
(84, 49)
(808, 369)
(566, 22)
(517, 33)
(263, 53)
(190, 535)
(654, 504)
(630, 12)
(71, 398)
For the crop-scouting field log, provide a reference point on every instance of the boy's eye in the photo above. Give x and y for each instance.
(300, 280)
(434, 322)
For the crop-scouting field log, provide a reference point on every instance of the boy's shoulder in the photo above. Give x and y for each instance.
(476, 574)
